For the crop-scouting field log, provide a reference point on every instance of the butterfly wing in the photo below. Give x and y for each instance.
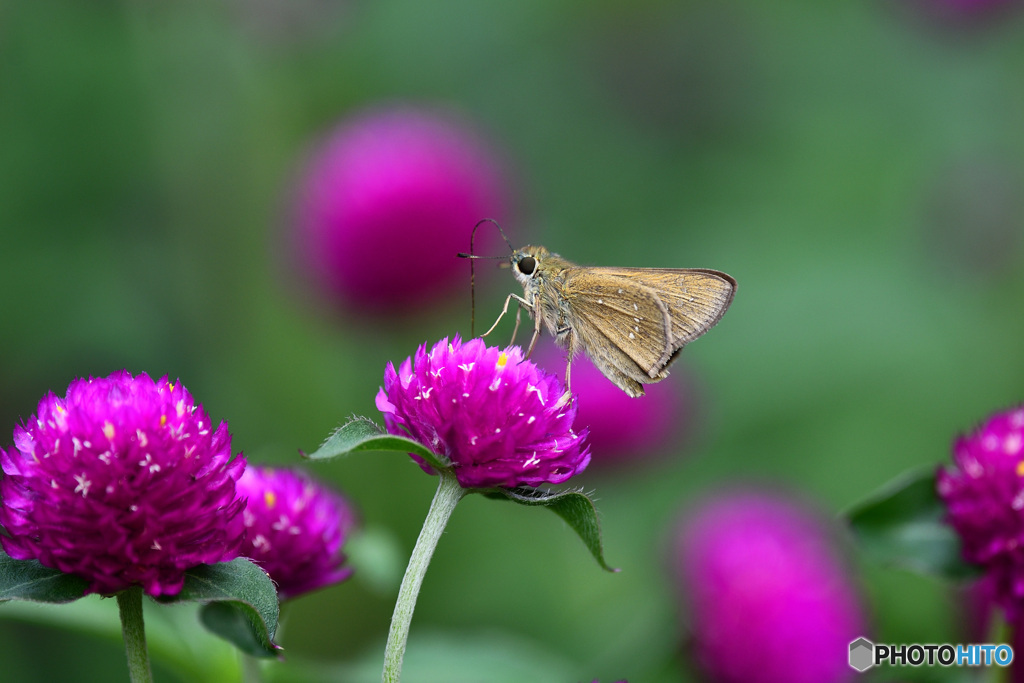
(618, 321)
(623, 305)
(696, 298)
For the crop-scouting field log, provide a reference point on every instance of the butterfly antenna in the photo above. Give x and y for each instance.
(472, 271)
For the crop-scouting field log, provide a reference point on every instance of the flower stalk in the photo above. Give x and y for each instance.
(449, 492)
(133, 630)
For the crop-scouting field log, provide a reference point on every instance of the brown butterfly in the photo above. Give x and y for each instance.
(631, 322)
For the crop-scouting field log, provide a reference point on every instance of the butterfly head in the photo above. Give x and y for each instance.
(526, 263)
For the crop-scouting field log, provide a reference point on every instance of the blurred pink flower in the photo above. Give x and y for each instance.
(760, 577)
(387, 200)
(295, 529)
(622, 429)
(982, 493)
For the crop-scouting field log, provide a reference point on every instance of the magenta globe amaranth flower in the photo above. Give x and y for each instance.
(295, 528)
(760, 579)
(387, 200)
(499, 420)
(124, 481)
(984, 497)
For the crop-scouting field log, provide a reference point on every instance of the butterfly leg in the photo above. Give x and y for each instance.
(504, 310)
(519, 311)
(566, 334)
(533, 339)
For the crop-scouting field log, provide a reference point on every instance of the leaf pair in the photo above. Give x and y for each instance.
(239, 599)
(575, 507)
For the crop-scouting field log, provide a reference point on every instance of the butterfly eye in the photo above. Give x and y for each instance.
(527, 265)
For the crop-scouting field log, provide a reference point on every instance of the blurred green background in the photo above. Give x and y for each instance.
(856, 166)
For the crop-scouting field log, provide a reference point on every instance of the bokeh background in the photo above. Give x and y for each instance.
(857, 167)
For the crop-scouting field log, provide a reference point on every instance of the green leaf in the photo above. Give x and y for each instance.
(362, 434)
(903, 525)
(572, 505)
(241, 604)
(29, 580)
(236, 626)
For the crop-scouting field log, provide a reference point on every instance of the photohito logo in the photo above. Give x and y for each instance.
(864, 654)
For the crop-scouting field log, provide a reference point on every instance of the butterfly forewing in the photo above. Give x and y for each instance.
(696, 298)
(630, 315)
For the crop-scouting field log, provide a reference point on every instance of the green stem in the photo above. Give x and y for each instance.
(448, 494)
(133, 630)
(252, 669)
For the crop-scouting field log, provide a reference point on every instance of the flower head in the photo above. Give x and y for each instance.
(295, 529)
(759, 575)
(124, 481)
(984, 497)
(499, 420)
(387, 200)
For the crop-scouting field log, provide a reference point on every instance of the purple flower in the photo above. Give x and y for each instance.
(499, 420)
(295, 529)
(387, 200)
(622, 429)
(124, 481)
(984, 497)
(760, 578)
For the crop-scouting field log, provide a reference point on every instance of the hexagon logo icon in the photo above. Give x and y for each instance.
(862, 654)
